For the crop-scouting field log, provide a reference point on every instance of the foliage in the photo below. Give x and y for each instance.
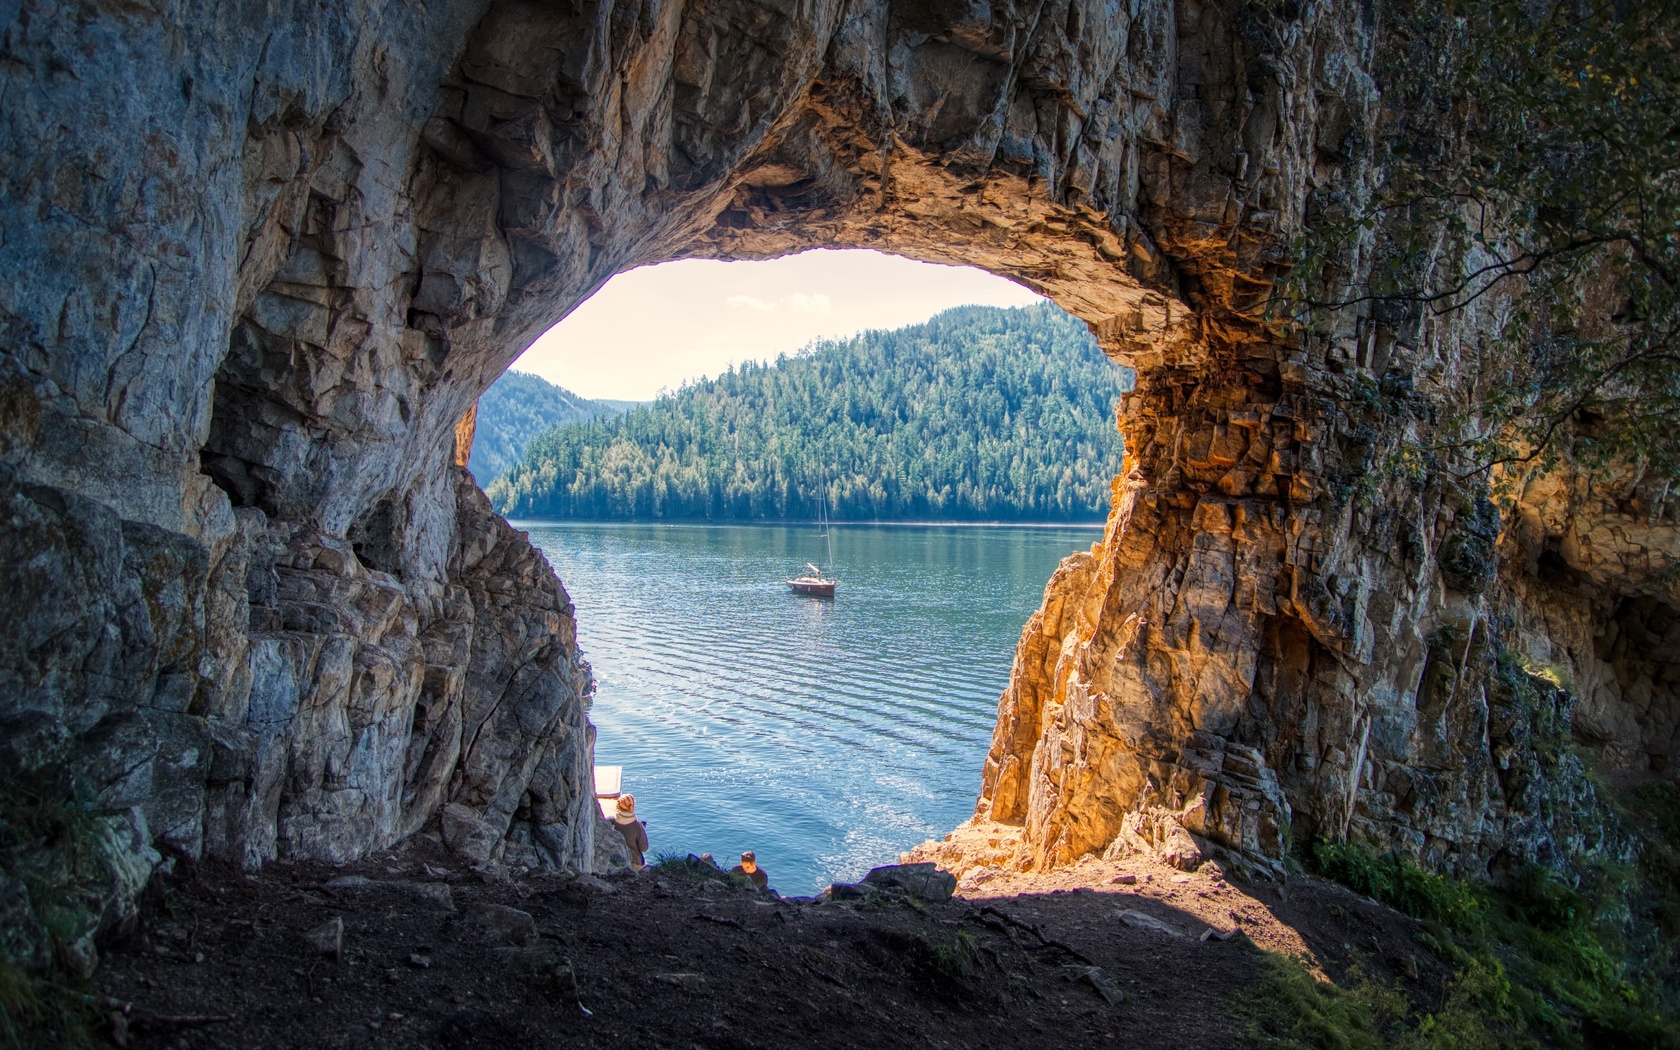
(1652, 811)
(1535, 959)
(515, 408)
(49, 836)
(1291, 1009)
(1401, 885)
(689, 868)
(49, 841)
(666, 859)
(945, 965)
(1532, 163)
(36, 1013)
(979, 414)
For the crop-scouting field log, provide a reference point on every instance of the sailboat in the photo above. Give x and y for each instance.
(813, 581)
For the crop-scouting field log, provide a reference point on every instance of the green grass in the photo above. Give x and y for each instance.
(36, 1013)
(1402, 885)
(679, 866)
(666, 860)
(1290, 1009)
(50, 843)
(673, 862)
(943, 964)
(1537, 963)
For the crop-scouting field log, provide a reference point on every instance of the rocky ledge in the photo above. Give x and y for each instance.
(413, 948)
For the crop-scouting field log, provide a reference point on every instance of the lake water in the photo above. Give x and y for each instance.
(826, 735)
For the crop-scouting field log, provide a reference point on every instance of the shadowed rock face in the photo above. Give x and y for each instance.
(262, 261)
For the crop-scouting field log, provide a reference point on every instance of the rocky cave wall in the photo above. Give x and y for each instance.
(263, 261)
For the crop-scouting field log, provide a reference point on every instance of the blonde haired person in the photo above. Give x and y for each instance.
(633, 830)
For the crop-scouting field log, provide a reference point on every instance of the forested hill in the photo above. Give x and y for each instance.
(981, 414)
(516, 408)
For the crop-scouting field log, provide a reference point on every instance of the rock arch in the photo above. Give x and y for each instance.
(266, 263)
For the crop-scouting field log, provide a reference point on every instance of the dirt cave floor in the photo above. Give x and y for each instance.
(429, 953)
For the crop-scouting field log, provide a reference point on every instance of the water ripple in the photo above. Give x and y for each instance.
(827, 736)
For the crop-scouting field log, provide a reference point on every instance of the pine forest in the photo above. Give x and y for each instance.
(980, 414)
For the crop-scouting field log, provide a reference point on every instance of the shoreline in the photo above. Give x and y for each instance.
(529, 523)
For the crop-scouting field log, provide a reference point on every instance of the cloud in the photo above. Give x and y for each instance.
(799, 302)
(659, 325)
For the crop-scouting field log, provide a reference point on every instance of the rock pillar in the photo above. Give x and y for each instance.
(464, 431)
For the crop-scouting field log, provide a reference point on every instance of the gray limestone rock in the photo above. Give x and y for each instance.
(503, 925)
(545, 968)
(327, 938)
(1102, 984)
(262, 259)
(436, 893)
(466, 834)
(1137, 920)
(611, 854)
(923, 880)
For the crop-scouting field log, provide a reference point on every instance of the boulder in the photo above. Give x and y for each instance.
(500, 924)
(1158, 833)
(611, 854)
(545, 968)
(590, 882)
(1178, 849)
(924, 880)
(327, 938)
(466, 833)
(1138, 920)
(435, 892)
(690, 981)
(1102, 984)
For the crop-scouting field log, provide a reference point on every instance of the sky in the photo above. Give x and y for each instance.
(658, 326)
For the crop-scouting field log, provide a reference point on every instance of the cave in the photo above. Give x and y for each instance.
(265, 262)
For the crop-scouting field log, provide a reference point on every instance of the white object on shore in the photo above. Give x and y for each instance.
(608, 781)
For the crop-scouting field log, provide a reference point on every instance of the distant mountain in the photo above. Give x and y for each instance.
(519, 406)
(979, 414)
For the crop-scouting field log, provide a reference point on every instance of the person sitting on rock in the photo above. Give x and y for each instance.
(633, 830)
(749, 867)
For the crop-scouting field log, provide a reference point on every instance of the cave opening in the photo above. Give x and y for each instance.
(425, 638)
(270, 618)
(372, 570)
(828, 736)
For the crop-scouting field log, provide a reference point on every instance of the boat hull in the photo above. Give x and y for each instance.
(814, 588)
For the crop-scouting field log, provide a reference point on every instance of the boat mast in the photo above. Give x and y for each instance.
(823, 510)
